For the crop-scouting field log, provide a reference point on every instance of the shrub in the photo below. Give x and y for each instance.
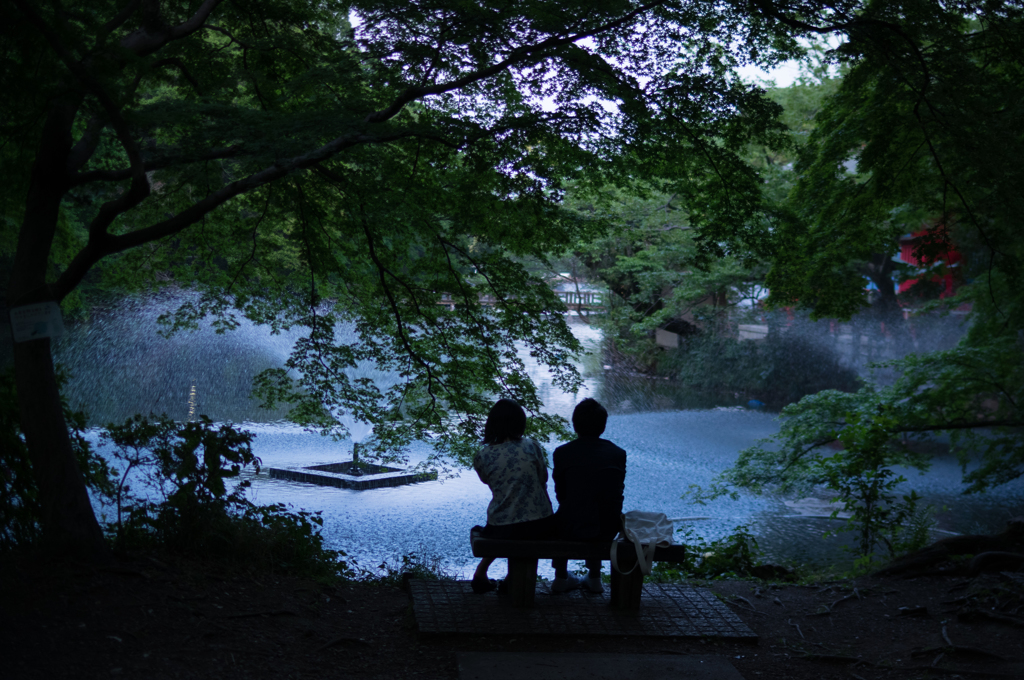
(430, 568)
(188, 507)
(779, 370)
(734, 555)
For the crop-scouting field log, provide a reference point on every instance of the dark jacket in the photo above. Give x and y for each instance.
(590, 475)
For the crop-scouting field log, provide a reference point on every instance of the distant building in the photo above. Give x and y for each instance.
(945, 262)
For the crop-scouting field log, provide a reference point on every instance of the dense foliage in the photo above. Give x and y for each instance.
(175, 492)
(651, 262)
(419, 155)
(930, 111)
(918, 137)
(305, 171)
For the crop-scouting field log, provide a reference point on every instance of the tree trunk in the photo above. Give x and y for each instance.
(69, 523)
(886, 309)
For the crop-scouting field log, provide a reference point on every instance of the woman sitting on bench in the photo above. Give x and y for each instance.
(513, 466)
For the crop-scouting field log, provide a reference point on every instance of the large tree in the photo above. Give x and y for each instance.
(289, 167)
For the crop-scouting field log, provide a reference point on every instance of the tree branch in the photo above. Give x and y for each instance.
(86, 146)
(180, 65)
(527, 53)
(252, 254)
(397, 314)
(98, 248)
(117, 21)
(155, 164)
(139, 188)
(142, 42)
(971, 425)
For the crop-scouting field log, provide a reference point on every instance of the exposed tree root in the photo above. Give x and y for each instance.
(1007, 544)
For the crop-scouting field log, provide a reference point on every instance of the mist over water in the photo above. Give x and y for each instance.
(120, 366)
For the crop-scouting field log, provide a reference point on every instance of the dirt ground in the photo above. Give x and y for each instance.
(154, 619)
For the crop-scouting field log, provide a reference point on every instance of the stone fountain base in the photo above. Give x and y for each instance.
(352, 475)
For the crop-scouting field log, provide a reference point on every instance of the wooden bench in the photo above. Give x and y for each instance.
(523, 557)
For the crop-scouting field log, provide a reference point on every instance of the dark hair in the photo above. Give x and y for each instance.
(506, 421)
(589, 418)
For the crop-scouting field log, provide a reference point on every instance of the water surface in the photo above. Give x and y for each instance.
(121, 366)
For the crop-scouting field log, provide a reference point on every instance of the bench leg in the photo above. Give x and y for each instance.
(522, 581)
(626, 590)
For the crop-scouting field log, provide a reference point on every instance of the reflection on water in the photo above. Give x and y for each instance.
(672, 439)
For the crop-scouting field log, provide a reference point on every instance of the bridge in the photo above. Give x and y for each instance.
(584, 299)
(574, 300)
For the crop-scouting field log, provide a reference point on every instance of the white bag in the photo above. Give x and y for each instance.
(646, 531)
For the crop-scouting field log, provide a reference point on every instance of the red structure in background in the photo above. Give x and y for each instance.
(949, 255)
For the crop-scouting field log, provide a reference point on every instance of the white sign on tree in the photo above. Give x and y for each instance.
(33, 322)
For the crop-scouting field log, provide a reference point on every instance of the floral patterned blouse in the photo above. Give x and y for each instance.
(518, 476)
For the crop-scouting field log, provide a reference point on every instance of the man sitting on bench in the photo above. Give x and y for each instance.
(589, 475)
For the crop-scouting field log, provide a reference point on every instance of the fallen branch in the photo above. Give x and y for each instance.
(959, 600)
(241, 651)
(852, 660)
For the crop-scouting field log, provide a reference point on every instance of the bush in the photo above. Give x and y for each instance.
(734, 555)
(186, 506)
(862, 478)
(185, 467)
(788, 365)
(411, 566)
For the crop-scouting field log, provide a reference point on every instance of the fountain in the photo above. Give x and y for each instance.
(353, 474)
(356, 474)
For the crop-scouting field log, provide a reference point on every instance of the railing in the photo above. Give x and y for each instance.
(572, 299)
(588, 299)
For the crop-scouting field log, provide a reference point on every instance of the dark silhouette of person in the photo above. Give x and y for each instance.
(515, 469)
(590, 476)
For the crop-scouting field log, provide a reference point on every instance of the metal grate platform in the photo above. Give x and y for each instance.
(668, 610)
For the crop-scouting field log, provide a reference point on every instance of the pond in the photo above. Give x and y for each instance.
(672, 439)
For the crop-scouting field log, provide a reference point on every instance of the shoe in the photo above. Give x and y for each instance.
(564, 585)
(484, 586)
(594, 585)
